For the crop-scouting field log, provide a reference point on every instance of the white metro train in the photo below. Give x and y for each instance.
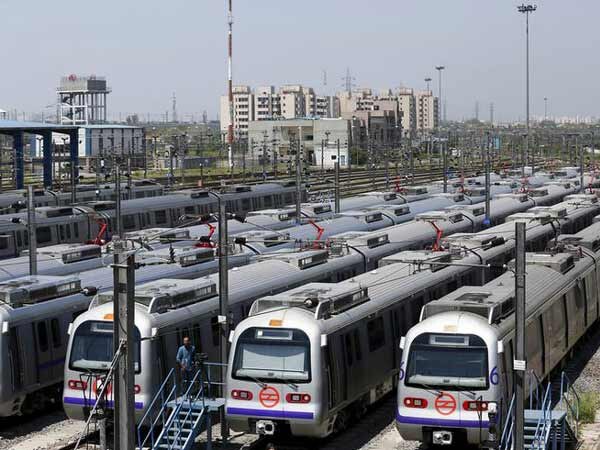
(308, 360)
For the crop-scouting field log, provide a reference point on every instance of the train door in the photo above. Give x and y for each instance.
(58, 345)
(14, 357)
(43, 352)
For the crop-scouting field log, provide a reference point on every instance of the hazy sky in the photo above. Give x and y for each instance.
(148, 49)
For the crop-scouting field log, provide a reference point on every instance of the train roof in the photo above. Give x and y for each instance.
(547, 275)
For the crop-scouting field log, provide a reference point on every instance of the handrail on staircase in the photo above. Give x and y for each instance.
(507, 432)
(153, 421)
(566, 388)
(542, 429)
(538, 387)
(175, 419)
(209, 379)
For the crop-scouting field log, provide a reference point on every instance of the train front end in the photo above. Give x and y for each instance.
(448, 391)
(274, 383)
(88, 362)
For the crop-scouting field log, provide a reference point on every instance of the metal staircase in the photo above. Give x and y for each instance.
(546, 427)
(180, 411)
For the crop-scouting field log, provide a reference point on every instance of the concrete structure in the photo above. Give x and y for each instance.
(266, 103)
(408, 111)
(318, 138)
(427, 111)
(82, 100)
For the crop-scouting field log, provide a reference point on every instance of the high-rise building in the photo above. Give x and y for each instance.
(427, 111)
(408, 111)
(267, 103)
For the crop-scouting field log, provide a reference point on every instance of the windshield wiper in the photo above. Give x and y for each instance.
(262, 384)
(289, 383)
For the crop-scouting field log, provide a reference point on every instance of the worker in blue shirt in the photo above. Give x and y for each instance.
(185, 359)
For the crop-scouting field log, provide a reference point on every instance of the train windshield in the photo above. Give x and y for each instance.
(92, 347)
(447, 361)
(272, 354)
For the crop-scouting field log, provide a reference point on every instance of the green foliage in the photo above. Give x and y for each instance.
(589, 403)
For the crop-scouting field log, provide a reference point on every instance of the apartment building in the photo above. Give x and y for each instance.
(427, 113)
(265, 103)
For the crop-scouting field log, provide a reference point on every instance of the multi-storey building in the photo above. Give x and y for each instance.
(427, 111)
(266, 103)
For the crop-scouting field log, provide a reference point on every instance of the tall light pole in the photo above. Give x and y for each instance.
(230, 83)
(526, 9)
(440, 102)
(545, 108)
(428, 80)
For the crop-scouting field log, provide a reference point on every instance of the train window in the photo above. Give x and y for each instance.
(357, 345)
(19, 239)
(25, 239)
(160, 217)
(246, 204)
(4, 242)
(44, 235)
(190, 210)
(42, 336)
(289, 198)
(61, 232)
(55, 329)
(129, 222)
(267, 201)
(348, 345)
(68, 227)
(76, 229)
(376, 334)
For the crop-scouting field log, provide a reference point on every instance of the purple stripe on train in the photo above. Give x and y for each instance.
(442, 422)
(90, 402)
(266, 413)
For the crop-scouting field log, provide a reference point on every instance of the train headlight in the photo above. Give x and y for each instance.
(238, 394)
(298, 398)
(414, 402)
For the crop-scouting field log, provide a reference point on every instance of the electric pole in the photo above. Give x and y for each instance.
(337, 186)
(487, 181)
(223, 302)
(118, 219)
(520, 365)
(298, 181)
(31, 232)
(123, 342)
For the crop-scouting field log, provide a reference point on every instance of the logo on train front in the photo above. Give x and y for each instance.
(268, 397)
(445, 404)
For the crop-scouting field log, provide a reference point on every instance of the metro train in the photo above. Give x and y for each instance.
(458, 360)
(199, 316)
(268, 226)
(16, 200)
(80, 223)
(325, 352)
(200, 261)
